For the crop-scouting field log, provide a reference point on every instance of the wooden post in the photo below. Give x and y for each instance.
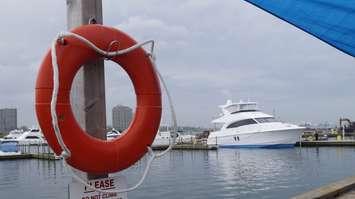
(89, 85)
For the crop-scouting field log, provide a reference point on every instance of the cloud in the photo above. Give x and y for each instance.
(234, 50)
(145, 28)
(207, 50)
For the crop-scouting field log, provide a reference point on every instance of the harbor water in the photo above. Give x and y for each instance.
(225, 173)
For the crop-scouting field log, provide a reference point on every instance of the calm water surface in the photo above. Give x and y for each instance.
(247, 173)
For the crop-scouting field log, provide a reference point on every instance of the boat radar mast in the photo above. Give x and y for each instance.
(241, 106)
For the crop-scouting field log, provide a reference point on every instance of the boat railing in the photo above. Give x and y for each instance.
(36, 149)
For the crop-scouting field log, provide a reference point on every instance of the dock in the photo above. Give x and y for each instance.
(44, 152)
(343, 189)
(15, 156)
(42, 156)
(326, 143)
(197, 146)
(45, 156)
(187, 146)
(31, 151)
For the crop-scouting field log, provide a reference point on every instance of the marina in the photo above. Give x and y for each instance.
(123, 103)
(309, 148)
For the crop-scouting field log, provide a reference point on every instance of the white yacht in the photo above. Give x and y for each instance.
(112, 134)
(243, 125)
(162, 139)
(32, 136)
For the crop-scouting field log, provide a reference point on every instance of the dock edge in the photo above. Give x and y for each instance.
(329, 191)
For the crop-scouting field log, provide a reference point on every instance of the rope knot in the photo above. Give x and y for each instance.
(60, 38)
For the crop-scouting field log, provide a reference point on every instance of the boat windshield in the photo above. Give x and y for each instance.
(265, 119)
(32, 137)
(218, 126)
(241, 123)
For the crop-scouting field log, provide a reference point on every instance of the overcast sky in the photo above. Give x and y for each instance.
(207, 50)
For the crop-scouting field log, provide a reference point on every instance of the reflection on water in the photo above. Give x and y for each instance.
(228, 173)
(31, 179)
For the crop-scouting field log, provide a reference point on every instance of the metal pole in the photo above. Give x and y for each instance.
(300, 141)
(89, 88)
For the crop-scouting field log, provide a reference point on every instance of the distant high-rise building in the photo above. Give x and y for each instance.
(121, 117)
(8, 119)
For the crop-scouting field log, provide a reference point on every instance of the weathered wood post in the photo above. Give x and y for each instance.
(89, 87)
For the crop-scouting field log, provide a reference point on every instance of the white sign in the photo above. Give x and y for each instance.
(79, 191)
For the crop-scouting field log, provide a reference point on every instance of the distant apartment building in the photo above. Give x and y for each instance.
(121, 117)
(8, 119)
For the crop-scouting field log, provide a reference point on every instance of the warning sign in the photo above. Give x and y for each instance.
(79, 191)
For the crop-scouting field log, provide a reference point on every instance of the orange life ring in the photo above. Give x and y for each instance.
(90, 154)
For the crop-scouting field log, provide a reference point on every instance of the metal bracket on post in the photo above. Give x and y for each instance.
(92, 20)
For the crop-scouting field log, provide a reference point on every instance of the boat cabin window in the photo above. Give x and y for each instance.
(241, 123)
(265, 119)
(32, 137)
(9, 142)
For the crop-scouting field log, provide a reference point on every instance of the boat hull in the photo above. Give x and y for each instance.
(269, 139)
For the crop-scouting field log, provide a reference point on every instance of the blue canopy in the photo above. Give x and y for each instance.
(332, 21)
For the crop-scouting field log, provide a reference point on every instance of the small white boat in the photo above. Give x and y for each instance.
(181, 139)
(244, 126)
(112, 134)
(162, 139)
